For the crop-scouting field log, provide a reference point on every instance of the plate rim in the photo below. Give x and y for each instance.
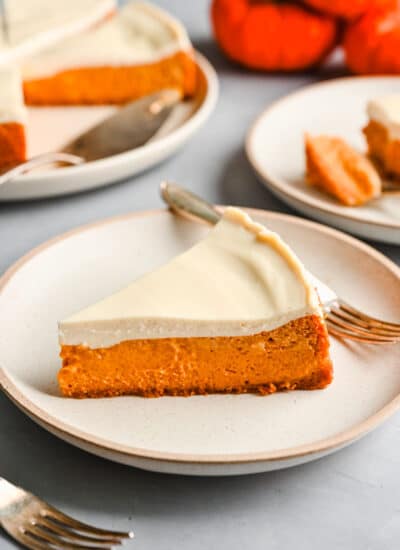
(205, 109)
(281, 185)
(55, 426)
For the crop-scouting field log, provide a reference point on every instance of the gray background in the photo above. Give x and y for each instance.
(348, 500)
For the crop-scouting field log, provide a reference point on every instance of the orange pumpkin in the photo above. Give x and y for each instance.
(372, 44)
(348, 9)
(272, 35)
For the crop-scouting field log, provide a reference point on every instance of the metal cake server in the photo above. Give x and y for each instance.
(341, 319)
(130, 127)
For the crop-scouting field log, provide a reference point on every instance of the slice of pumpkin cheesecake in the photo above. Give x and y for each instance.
(235, 313)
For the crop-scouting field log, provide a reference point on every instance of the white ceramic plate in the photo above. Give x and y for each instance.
(216, 434)
(275, 148)
(49, 128)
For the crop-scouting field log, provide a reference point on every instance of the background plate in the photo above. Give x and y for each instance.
(231, 434)
(49, 128)
(275, 148)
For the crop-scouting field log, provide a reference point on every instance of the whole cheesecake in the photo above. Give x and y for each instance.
(85, 52)
(236, 313)
(32, 26)
(139, 50)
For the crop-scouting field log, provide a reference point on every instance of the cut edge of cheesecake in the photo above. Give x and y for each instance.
(13, 117)
(234, 314)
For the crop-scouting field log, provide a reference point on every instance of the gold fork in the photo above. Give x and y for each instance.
(342, 320)
(38, 526)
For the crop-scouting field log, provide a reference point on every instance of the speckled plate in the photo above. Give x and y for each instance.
(275, 148)
(212, 435)
(50, 128)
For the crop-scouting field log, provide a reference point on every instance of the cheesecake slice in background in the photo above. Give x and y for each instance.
(138, 51)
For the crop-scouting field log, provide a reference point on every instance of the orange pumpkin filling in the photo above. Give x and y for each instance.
(113, 85)
(294, 356)
(12, 143)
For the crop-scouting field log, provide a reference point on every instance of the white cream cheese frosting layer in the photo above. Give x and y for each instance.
(37, 24)
(12, 108)
(241, 279)
(139, 33)
(386, 111)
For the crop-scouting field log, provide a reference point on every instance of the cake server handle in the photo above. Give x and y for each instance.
(188, 204)
(37, 162)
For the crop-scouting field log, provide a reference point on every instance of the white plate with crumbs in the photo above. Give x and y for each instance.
(50, 128)
(201, 435)
(275, 148)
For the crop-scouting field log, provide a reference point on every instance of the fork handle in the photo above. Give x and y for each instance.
(9, 494)
(188, 204)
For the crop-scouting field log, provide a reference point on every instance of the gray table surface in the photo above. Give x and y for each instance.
(349, 500)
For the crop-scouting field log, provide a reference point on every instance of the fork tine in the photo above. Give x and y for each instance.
(67, 533)
(41, 536)
(55, 515)
(354, 325)
(30, 542)
(343, 333)
(355, 331)
(361, 323)
(367, 318)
